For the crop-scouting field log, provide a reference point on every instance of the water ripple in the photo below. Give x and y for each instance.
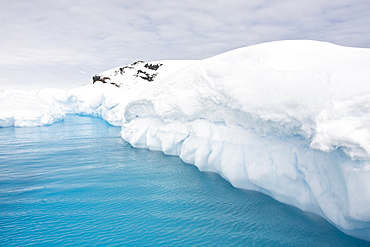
(76, 183)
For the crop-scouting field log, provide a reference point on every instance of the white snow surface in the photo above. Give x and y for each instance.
(290, 119)
(19, 108)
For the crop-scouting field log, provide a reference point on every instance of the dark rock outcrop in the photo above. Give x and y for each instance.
(148, 72)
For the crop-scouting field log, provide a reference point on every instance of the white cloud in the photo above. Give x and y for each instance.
(96, 35)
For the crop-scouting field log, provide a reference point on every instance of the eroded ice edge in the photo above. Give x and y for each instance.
(290, 119)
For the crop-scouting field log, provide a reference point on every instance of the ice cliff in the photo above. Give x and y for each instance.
(290, 119)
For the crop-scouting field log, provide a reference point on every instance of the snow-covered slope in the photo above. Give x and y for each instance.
(101, 99)
(290, 119)
(140, 72)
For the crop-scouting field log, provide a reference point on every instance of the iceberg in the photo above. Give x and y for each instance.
(290, 119)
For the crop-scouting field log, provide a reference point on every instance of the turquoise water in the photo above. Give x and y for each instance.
(77, 183)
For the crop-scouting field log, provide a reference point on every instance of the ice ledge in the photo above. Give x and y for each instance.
(286, 169)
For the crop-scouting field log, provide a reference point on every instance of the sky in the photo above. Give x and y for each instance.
(64, 43)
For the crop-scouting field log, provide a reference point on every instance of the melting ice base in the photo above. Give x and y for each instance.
(290, 119)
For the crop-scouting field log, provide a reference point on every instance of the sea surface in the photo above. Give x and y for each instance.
(77, 183)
